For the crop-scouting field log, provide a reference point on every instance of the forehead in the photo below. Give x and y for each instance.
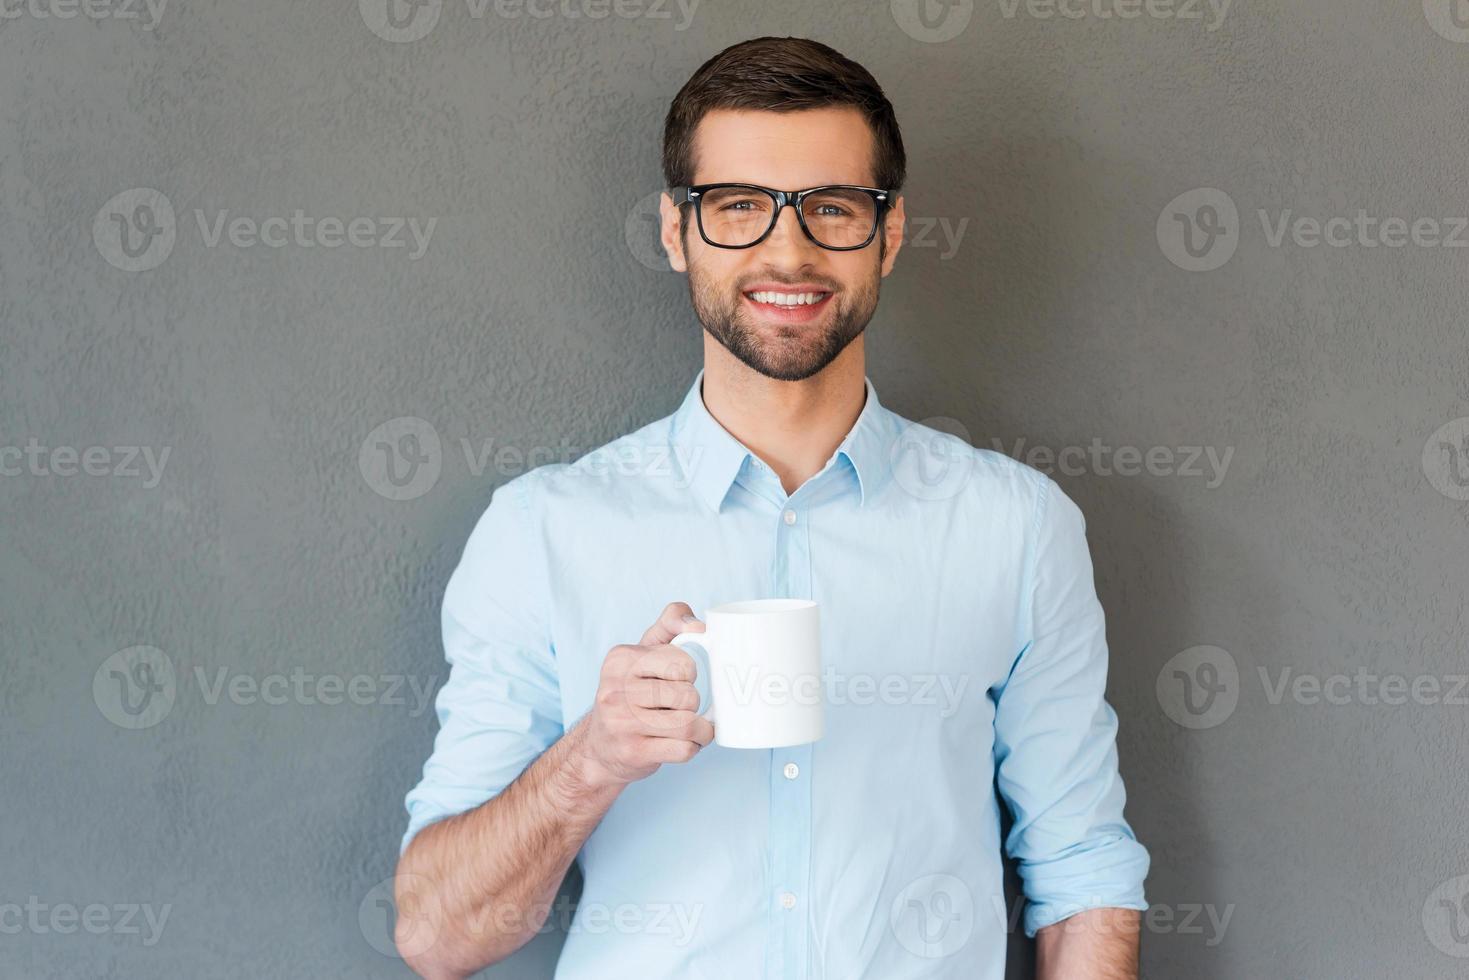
(785, 150)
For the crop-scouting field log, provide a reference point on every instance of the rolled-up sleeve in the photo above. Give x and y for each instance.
(1055, 735)
(500, 707)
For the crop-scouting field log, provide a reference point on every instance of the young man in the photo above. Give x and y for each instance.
(961, 633)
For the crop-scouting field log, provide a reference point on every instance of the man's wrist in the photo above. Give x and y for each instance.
(582, 777)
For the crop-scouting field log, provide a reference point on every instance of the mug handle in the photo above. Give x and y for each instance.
(702, 640)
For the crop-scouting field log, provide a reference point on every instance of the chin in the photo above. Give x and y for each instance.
(791, 360)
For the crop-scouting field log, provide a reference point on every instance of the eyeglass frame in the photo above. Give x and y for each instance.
(693, 194)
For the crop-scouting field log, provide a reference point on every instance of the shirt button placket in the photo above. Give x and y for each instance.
(790, 786)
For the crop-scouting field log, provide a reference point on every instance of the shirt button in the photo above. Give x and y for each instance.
(789, 516)
(787, 900)
(792, 770)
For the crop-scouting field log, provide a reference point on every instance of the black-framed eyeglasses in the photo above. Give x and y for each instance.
(840, 217)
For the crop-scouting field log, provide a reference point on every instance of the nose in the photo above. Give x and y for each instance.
(788, 244)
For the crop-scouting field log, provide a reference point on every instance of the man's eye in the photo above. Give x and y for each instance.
(746, 204)
(831, 211)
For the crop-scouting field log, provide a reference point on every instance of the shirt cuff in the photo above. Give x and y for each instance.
(1108, 875)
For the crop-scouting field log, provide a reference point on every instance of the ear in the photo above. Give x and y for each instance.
(892, 232)
(671, 232)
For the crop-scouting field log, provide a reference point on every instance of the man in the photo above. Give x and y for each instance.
(963, 644)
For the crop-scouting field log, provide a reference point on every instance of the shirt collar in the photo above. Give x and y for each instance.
(712, 458)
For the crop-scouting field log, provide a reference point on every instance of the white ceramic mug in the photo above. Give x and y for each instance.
(764, 672)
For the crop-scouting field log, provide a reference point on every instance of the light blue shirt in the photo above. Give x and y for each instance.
(963, 652)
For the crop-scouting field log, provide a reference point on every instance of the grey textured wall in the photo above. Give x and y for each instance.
(1097, 261)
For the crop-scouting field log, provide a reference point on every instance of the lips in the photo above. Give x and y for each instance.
(788, 304)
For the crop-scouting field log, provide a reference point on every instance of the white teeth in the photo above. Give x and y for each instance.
(787, 299)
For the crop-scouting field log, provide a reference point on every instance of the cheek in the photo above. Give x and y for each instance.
(716, 268)
(856, 270)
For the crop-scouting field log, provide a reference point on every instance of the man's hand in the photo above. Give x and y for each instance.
(502, 861)
(646, 709)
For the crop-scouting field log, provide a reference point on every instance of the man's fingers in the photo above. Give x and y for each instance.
(671, 623)
(666, 662)
(674, 749)
(679, 725)
(654, 692)
(701, 730)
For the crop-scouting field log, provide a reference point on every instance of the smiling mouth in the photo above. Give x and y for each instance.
(790, 307)
(786, 299)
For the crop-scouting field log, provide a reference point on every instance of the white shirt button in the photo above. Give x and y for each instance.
(789, 516)
(792, 770)
(787, 900)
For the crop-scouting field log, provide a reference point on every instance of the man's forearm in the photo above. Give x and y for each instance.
(1096, 944)
(475, 887)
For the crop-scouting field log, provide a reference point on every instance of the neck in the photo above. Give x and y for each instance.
(792, 426)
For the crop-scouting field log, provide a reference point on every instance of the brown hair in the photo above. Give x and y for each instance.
(780, 74)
